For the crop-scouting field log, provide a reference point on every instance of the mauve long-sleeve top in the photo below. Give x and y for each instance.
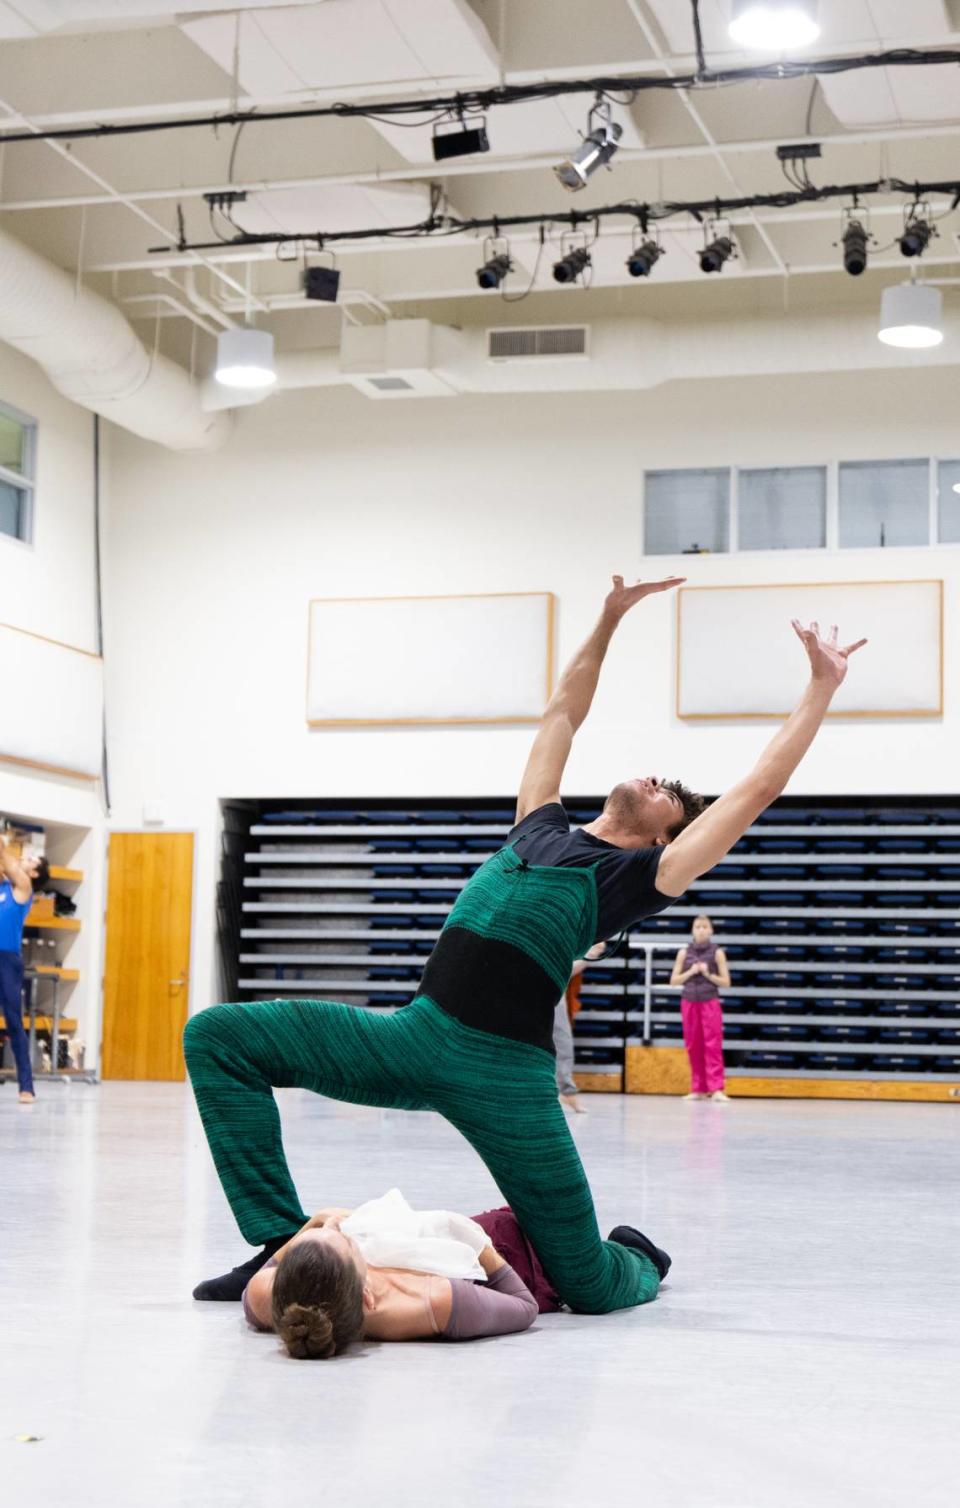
(500, 1306)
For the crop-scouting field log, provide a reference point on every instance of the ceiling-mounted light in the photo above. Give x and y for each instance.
(497, 263)
(245, 358)
(718, 247)
(774, 25)
(570, 266)
(452, 138)
(854, 238)
(596, 149)
(918, 231)
(911, 315)
(644, 257)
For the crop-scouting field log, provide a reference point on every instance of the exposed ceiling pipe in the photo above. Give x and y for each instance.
(93, 357)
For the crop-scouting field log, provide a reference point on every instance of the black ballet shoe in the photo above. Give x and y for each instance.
(625, 1235)
(228, 1288)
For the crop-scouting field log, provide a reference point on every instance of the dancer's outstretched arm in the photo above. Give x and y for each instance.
(713, 834)
(11, 869)
(571, 701)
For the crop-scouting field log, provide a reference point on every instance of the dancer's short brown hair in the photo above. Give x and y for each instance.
(692, 804)
(317, 1302)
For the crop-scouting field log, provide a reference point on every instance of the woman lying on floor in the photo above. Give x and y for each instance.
(386, 1272)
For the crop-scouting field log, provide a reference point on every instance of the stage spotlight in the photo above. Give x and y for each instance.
(494, 270)
(774, 25)
(570, 267)
(595, 151)
(917, 235)
(716, 253)
(643, 258)
(855, 237)
(459, 140)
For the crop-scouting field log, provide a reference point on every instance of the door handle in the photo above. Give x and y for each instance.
(176, 984)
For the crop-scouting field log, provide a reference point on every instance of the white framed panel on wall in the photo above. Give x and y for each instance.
(53, 704)
(485, 658)
(738, 656)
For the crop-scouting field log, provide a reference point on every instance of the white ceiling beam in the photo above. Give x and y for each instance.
(476, 167)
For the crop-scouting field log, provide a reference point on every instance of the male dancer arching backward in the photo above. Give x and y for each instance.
(476, 1042)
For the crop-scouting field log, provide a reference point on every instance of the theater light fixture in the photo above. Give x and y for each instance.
(595, 151)
(644, 257)
(455, 139)
(918, 231)
(245, 358)
(854, 240)
(497, 264)
(718, 247)
(572, 265)
(911, 316)
(774, 25)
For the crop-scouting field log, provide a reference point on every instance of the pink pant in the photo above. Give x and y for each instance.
(703, 1039)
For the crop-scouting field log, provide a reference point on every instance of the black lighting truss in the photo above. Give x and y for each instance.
(437, 226)
(477, 101)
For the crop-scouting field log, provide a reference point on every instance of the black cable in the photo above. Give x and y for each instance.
(513, 94)
(98, 604)
(698, 39)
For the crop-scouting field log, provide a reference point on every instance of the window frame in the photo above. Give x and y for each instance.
(731, 485)
(24, 481)
(831, 467)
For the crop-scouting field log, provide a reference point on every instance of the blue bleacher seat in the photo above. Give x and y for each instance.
(835, 1061)
(839, 845)
(897, 1063)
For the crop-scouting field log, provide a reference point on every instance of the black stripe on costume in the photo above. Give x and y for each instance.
(491, 986)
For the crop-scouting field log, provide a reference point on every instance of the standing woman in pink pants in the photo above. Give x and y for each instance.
(701, 968)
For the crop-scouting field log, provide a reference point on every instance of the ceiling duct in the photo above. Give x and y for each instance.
(92, 356)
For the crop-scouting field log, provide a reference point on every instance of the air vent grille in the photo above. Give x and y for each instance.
(391, 384)
(553, 340)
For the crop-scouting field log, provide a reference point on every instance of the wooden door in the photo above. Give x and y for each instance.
(146, 988)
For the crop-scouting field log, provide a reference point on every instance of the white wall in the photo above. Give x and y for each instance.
(48, 587)
(211, 560)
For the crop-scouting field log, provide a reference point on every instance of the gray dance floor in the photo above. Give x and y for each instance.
(805, 1350)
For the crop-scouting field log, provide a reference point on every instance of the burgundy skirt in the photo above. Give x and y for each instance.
(505, 1234)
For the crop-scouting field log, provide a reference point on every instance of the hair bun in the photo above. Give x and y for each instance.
(306, 1331)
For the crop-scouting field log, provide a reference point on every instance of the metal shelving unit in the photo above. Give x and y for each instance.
(841, 924)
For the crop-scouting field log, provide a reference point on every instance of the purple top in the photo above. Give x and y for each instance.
(698, 986)
(497, 1307)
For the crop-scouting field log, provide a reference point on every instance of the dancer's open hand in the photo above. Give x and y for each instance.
(828, 662)
(620, 599)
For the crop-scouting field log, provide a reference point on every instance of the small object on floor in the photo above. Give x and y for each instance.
(626, 1235)
(228, 1288)
(695, 1096)
(718, 1096)
(572, 1102)
(28, 1439)
(27, 1098)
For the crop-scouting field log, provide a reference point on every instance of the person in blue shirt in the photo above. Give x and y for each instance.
(18, 880)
